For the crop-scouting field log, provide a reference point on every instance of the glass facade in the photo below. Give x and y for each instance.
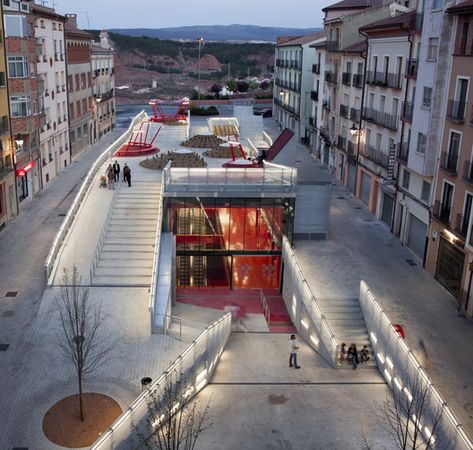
(232, 242)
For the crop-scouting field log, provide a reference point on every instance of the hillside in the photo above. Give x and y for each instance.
(242, 33)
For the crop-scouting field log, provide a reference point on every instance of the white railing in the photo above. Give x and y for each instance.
(103, 233)
(157, 248)
(252, 150)
(402, 371)
(267, 139)
(76, 204)
(305, 312)
(197, 363)
(271, 178)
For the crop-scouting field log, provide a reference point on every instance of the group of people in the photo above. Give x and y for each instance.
(113, 174)
(353, 356)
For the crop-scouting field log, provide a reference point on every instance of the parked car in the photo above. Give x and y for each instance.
(267, 112)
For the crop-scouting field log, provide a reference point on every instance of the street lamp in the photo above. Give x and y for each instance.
(201, 41)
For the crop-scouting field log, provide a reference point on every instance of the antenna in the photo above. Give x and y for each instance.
(88, 18)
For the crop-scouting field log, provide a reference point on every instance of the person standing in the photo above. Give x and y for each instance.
(294, 348)
(110, 177)
(127, 174)
(353, 355)
(116, 171)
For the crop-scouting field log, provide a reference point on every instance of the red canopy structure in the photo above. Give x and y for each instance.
(138, 144)
(158, 112)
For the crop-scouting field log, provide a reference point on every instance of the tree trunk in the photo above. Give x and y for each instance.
(81, 406)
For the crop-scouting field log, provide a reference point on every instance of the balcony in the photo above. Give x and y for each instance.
(326, 104)
(341, 142)
(314, 95)
(384, 79)
(346, 78)
(468, 172)
(355, 115)
(313, 121)
(375, 155)
(5, 167)
(407, 110)
(316, 69)
(332, 46)
(456, 111)
(403, 152)
(285, 106)
(351, 148)
(344, 111)
(389, 121)
(461, 225)
(357, 80)
(412, 68)
(449, 162)
(441, 212)
(278, 62)
(324, 133)
(330, 77)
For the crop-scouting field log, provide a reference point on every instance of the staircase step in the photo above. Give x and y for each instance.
(123, 272)
(132, 256)
(125, 247)
(119, 263)
(121, 281)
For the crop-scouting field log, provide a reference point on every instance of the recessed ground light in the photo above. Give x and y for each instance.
(341, 198)
(4, 347)
(11, 294)
(61, 215)
(358, 207)
(368, 220)
(411, 262)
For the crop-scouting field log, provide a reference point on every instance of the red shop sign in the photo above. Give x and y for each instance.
(22, 172)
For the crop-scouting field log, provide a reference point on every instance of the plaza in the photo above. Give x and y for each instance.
(252, 386)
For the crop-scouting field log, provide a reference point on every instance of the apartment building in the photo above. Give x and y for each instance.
(450, 251)
(79, 82)
(8, 198)
(25, 92)
(51, 69)
(345, 55)
(294, 82)
(103, 86)
(390, 44)
(422, 116)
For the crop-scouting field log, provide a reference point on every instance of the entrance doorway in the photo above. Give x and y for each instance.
(449, 267)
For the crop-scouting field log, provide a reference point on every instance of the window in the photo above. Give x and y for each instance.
(78, 110)
(79, 133)
(70, 83)
(73, 137)
(2, 79)
(432, 49)
(83, 82)
(71, 110)
(425, 194)
(16, 26)
(84, 105)
(421, 143)
(20, 106)
(447, 200)
(427, 97)
(437, 4)
(406, 178)
(464, 38)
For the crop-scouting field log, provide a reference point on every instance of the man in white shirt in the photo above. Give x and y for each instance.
(294, 348)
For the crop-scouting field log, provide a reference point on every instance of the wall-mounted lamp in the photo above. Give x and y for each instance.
(281, 92)
(354, 131)
(19, 141)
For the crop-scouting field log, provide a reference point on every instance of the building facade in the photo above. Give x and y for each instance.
(450, 251)
(51, 69)
(79, 82)
(8, 197)
(103, 87)
(25, 92)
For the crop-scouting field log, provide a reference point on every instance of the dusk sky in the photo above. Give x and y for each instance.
(159, 14)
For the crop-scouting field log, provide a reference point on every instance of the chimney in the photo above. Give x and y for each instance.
(72, 20)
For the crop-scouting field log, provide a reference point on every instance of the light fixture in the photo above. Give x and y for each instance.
(281, 92)
(354, 130)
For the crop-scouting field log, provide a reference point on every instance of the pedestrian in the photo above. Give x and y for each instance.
(365, 355)
(127, 174)
(110, 177)
(353, 355)
(116, 170)
(343, 352)
(294, 348)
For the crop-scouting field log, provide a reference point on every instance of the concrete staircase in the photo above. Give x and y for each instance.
(346, 319)
(127, 254)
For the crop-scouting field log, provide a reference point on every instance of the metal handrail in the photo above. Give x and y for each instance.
(171, 318)
(157, 247)
(264, 304)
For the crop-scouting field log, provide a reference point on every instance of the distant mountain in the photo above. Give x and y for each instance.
(241, 33)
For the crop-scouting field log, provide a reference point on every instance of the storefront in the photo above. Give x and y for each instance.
(449, 266)
(229, 242)
(23, 181)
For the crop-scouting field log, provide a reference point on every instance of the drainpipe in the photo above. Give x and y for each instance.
(402, 136)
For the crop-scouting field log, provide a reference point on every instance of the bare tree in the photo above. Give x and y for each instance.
(405, 415)
(171, 424)
(80, 336)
